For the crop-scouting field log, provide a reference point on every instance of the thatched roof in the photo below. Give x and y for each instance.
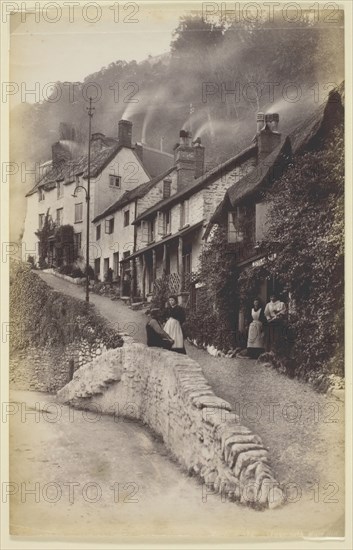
(308, 136)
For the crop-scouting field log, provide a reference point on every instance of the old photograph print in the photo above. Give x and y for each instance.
(176, 270)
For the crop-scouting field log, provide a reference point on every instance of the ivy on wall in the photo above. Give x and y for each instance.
(213, 320)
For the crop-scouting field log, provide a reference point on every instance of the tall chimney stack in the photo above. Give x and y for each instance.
(189, 158)
(125, 133)
(268, 137)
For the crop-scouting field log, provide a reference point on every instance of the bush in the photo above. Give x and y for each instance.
(77, 273)
(90, 272)
(66, 269)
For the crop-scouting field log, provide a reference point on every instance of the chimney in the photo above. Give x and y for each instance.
(125, 133)
(189, 159)
(267, 135)
(60, 153)
(97, 142)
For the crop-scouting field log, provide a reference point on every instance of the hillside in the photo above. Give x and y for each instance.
(279, 67)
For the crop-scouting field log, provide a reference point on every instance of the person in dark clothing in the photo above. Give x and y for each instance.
(256, 335)
(174, 326)
(156, 336)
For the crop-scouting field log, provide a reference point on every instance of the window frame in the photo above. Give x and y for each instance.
(98, 231)
(115, 178)
(59, 190)
(109, 226)
(126, 212)
(61, 222)
(78, 204)
(41, 218)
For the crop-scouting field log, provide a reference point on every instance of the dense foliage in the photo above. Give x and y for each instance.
(41, 317)
(306, 223)
(212, 322)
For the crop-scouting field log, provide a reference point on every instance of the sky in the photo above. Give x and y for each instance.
(81, 41)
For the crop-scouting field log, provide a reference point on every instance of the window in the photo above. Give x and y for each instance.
(126, 254)
(59, 190)
(41, 195)
(187, 258)
(78, 212)
(109, 225)
(98, 232)
(41, 221)
(167, 185)
(151, 231)
(59, 216)
(241, 225)
(167, 222)
(114, 181)
(77, 243)
(184, 213)
(163, 223)
(126, 218)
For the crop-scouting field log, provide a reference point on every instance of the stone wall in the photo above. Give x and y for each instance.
(169, 393)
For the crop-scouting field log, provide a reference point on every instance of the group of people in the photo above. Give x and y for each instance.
(266, 326)
(171, 335)
(264, 332)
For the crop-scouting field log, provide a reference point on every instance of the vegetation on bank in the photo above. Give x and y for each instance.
(305, 248)
(40, 316)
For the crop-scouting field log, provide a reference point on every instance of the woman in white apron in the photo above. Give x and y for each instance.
(173, 326)
(256, 335)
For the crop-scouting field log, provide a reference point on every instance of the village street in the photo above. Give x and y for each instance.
(303, 430)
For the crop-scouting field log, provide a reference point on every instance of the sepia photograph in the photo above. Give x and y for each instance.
(176, 272)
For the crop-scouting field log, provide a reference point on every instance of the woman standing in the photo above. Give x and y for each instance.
(275, 312)
(173, 326)
(256, 336)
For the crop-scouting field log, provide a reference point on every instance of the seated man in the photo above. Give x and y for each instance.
(156, 336)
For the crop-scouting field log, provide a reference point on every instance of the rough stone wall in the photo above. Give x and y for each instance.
(49, 369)
(169, 393)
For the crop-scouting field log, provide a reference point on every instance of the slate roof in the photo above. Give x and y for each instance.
(200, 182)
(155, 161)
(136, 193)
(67, 171)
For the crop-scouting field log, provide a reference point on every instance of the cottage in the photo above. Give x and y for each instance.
(169, 235)
(243, 207)
(116, 168)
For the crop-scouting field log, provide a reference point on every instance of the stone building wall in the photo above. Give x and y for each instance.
(169, 393)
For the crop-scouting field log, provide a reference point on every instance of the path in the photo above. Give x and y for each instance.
(303, 430)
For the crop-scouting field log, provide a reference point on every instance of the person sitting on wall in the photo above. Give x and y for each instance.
(256, 335)
(174, 325)
(156, 336)
(275, 313)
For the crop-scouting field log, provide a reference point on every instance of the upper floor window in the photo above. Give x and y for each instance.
(114, 181)
(126, 218)
(184, 213)
(59, 216)
(167, 186)
(59, 189)
(78, 212)
(41, 220)
(163, 223)
(241, 225)
(151, 228)
(98, 232)
(41, 195)
(109, 226)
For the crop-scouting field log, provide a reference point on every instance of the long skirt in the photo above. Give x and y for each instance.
(173, 328)
(256, 339)
(274, 335)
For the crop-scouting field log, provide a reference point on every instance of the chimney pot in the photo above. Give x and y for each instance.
(125, 133)
(260, 121)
